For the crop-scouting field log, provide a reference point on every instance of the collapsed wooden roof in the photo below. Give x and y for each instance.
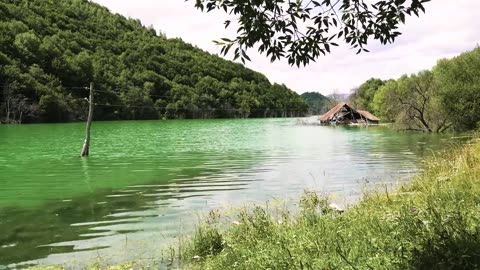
(328, 116)
(332, 112)
(368, 115)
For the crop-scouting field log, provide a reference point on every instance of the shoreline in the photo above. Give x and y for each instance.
(421, 225)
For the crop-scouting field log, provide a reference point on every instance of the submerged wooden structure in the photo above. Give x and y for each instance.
(342, 114)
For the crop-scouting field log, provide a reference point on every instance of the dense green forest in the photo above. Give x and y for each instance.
(317, 102)
(444, 98)
(51, 50)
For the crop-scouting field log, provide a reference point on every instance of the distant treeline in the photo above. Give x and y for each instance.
(444, 98)
(51, 50)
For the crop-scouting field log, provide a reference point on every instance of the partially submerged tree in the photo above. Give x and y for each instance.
(416, 95)
(16, 107)
(413, 102)
(303, 30)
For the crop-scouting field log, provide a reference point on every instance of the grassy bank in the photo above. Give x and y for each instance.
(94, 266)
(432, 223)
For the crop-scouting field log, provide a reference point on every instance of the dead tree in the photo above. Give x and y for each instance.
(7, 100)
(86, 144)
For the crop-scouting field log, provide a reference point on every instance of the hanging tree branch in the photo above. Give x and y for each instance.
(302, 30)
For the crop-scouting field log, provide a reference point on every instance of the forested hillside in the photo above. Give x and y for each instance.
(444, 98)
(51, 50)
(317, 102)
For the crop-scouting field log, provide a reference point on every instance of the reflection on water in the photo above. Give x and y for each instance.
(146, 181)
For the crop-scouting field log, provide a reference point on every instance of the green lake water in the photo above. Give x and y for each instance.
(146, 181)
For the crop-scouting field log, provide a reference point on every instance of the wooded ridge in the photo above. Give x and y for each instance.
(50, 51)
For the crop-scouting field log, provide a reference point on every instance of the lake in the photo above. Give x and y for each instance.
(147, 181)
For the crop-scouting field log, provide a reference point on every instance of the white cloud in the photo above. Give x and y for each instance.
(448, 28)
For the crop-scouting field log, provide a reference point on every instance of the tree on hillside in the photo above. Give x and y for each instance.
(317, 102)
(362, 97)
(385, 103)
(303, 30)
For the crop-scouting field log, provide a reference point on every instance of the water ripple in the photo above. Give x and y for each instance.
(147, 181)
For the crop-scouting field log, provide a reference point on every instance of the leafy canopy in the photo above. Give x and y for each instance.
(362, 97)
(303, 30)
(459, 78)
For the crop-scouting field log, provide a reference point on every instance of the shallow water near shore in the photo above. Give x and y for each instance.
(147, 181)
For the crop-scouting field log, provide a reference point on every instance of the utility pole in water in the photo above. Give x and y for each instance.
(86, 144)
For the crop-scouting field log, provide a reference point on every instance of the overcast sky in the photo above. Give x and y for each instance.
(447, 29)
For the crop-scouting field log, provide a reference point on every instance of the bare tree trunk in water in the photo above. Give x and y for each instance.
(86, 144)
(7, 97)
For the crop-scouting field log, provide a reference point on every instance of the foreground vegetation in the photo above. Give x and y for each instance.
(432, 223)
(51, 50)
(436, 100)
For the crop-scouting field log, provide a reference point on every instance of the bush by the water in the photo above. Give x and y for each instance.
(431, 223)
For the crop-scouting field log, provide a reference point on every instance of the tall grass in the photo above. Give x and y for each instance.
(432, 223)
